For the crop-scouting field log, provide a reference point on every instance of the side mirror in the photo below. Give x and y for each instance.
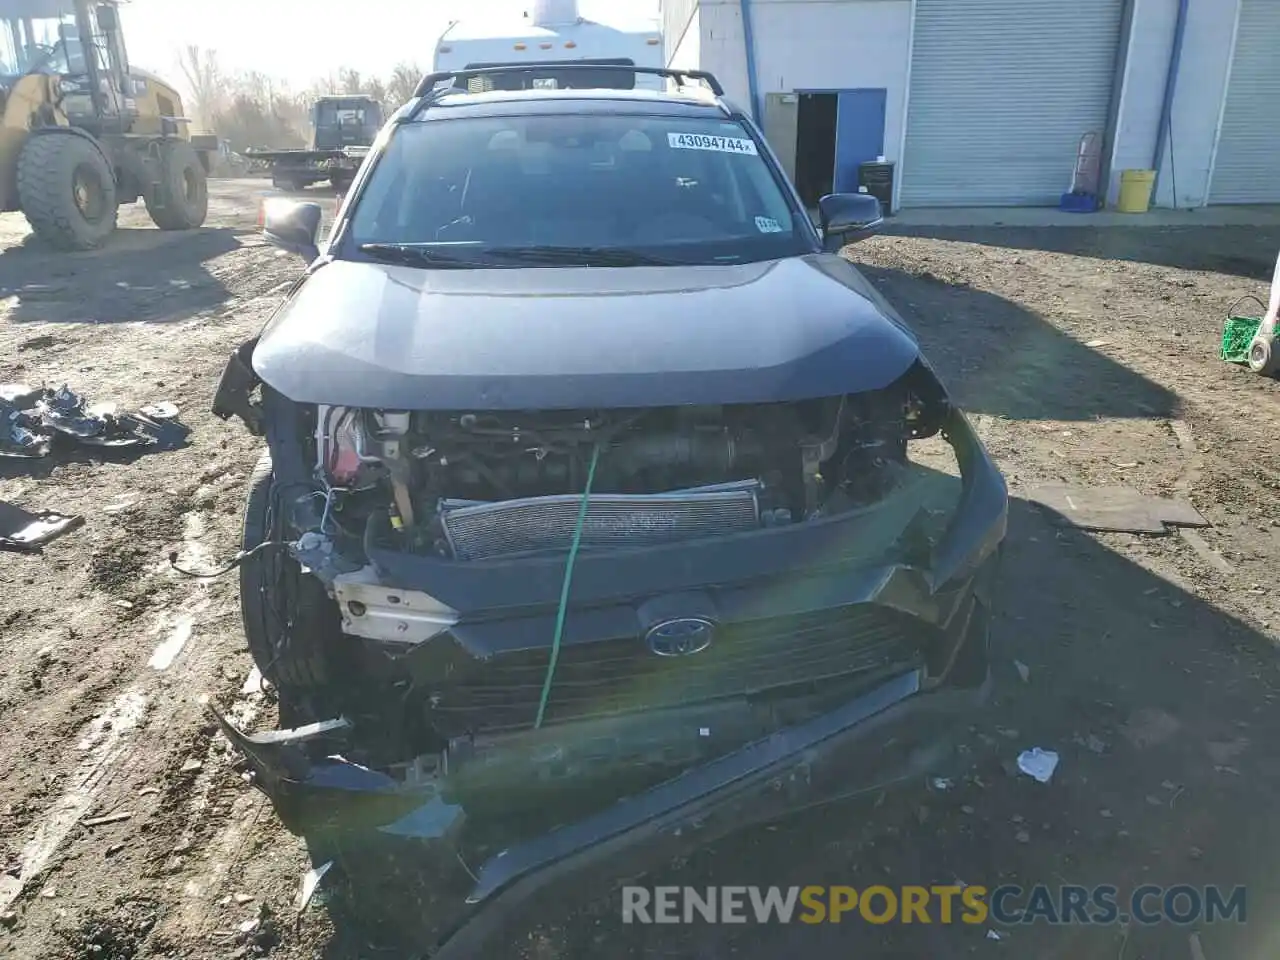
(293, 226)
(108, 22)
(848, 218)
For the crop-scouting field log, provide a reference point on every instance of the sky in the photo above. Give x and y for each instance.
(300, 41)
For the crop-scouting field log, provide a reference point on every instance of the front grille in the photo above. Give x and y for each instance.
(482, 531)
(621, 675)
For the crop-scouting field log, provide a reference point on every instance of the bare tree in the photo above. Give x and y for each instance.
(256, 86)
(350, 81)
(204, 80)
(401, 84)
(376, 89)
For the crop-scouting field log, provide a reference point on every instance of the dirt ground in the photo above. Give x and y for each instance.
(1083, 356)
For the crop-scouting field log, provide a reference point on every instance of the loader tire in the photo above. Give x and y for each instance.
(290, 622)
(67, 190)
(181, 199)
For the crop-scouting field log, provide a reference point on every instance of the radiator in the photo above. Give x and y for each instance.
(478, 530)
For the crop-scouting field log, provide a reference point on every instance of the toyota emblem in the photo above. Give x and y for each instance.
(682, 637)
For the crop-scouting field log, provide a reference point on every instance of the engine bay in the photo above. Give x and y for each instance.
(472, 485)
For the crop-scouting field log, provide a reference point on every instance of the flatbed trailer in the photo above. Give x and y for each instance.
(297, 169)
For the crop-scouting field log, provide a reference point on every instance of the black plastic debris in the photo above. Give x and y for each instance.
(25, 531)
(34, 421)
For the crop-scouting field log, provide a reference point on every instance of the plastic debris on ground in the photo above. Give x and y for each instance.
(1114, 508)
(34, 420)
(310, 883)
(1038, 763)
(25, 531)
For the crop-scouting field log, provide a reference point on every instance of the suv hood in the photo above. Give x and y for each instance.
(383, 336)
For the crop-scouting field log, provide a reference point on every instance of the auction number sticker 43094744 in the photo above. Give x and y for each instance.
(701, 141)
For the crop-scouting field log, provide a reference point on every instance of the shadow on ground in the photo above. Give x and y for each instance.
(155, 276)
(1240, 251)
(1159, 707)
(1033, 371)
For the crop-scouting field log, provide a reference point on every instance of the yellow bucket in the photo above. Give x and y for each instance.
(1135, 190)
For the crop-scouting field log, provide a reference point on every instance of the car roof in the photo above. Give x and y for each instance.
(689, 102)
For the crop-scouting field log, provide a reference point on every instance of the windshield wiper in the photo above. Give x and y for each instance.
(582, 256)
(416, 254)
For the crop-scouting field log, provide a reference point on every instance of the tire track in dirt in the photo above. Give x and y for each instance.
(106, 741)
(170, 657)
(158, 735)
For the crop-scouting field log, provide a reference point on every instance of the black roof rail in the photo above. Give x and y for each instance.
(428, 83)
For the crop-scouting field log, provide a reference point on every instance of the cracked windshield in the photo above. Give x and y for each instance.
(620, 479)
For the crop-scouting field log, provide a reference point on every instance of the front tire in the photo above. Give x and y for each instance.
(290, 622)
(67, 190)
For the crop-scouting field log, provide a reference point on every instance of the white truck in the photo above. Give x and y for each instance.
(553, 35)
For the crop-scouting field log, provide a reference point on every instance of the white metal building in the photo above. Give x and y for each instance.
(984, 102)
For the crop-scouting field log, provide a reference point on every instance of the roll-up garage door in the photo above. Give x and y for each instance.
(1247, 169)
(1001, 93)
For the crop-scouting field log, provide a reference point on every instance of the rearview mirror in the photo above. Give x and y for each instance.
(292, 226)
(848, 218)
(107, 20)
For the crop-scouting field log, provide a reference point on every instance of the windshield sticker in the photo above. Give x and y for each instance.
(700, 141)
(768, 225)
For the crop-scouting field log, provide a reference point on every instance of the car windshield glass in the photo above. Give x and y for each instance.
(679, 189)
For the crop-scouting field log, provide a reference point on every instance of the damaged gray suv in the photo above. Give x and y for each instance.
(590, 514)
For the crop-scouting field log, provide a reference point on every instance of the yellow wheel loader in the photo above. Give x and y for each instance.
(81, 134)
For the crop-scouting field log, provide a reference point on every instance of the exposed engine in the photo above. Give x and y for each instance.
(478, 485)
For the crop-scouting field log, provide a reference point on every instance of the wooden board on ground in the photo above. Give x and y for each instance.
(1120, 509)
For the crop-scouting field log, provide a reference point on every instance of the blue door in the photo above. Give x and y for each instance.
(859, 134)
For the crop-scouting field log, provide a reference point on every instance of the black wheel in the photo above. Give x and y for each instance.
(340, 184)
(181, 199)
(67, 190)
(290, 622)
(1262, 356)
(286, 183)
